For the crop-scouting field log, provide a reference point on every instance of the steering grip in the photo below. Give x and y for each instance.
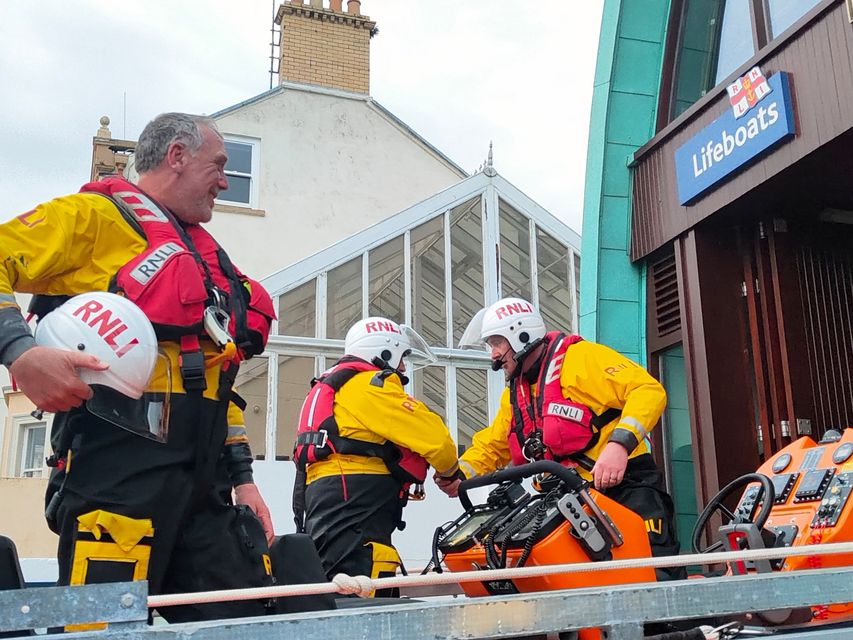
(573, 481)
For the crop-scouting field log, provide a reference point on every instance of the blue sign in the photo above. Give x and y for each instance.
(728, 143)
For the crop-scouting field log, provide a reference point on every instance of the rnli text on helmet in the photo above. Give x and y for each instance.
(515, 307)
(372, 327)
(108, 328)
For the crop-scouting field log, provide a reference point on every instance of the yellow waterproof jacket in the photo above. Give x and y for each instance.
(75, 244)
(372, 413)
(598, 377)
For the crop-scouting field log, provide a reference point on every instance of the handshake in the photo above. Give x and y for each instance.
(449, 483)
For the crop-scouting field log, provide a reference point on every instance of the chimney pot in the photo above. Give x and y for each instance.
(336, 5)
(354, 7)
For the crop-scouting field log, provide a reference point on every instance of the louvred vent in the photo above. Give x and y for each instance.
(665, 285)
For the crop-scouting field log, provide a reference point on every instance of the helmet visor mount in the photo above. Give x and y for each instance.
(418, 355)
(146, 416)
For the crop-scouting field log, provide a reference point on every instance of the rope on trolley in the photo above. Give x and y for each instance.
(364, 586)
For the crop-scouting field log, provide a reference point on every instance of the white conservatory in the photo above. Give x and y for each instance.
(432, 266)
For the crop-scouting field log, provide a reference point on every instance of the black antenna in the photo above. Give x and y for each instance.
(275, 60)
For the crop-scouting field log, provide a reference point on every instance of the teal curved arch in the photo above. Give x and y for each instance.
(624, 104)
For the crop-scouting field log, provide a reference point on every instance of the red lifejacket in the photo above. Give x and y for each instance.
(318, 436)
(182, 273)
(551, 426)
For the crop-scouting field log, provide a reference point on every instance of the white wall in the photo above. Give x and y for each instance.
(330, 165)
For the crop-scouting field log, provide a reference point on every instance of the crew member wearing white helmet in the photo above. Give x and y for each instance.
(362, 444)
(576, 402)
(141, 486)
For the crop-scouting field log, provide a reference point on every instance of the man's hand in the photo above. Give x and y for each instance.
(249, 495)
(609, 469)
(449, 484)
(49, 377)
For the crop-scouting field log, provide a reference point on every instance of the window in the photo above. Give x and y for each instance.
(296, 311)
(31, 446)
(343, 298)
(555, 297)
(784, 13)
(515, 253)
(716, 37)
(466, 255)
(242, 172)
(386, 295)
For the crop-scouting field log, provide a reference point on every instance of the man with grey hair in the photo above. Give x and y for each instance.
(129, 507)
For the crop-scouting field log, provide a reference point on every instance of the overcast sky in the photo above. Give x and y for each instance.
(459, 72)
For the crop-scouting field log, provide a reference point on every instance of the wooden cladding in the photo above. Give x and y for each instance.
(826, 286)
(819, 58)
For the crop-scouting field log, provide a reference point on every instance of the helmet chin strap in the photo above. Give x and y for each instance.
(387, 368)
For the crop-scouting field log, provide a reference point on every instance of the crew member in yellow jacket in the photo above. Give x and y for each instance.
(127, 506)
(574, 401)
(363, 449)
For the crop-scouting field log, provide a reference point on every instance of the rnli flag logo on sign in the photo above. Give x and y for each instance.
(747, 91)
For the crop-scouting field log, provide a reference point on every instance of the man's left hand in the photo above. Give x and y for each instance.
(249, 495)
(609, 469)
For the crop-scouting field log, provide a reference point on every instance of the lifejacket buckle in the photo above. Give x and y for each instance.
(323, 439)
(533, 449)
(417, 492)
(216, 326)
(192, 370)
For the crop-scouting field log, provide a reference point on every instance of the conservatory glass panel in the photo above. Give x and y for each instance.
(297, 311)
(466, 254)
(251, 384)
(429, 311)
(430, 387)
(343, 298)
(386, 286)
(472, 404)
(555, 299)
(515, 253)
(294, 382)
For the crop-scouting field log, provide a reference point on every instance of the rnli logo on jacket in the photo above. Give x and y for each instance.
(154, 261)
(143, 207)
(565, 411)
(107, 325)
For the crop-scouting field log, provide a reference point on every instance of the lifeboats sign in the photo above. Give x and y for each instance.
(731, 141)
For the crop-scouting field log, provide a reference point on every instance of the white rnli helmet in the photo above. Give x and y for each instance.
(385, 343)
(515, 319)
(117, 332)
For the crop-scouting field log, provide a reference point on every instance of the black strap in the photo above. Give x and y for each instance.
(239, 308)
(298, 501)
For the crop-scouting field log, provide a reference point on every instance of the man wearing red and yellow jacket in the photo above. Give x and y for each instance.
(127, 507)
(362, 441)
(577, 402)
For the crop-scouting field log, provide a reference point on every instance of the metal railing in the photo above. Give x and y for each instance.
(622, 610)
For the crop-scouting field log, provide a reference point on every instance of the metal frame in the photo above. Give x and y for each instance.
(621, 609)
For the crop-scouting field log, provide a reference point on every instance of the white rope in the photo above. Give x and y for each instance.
(259, 593)
(362, 586)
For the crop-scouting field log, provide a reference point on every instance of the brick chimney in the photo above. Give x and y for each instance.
(325, 45)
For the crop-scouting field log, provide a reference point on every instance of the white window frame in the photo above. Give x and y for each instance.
(254, 180)
(21, 426)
